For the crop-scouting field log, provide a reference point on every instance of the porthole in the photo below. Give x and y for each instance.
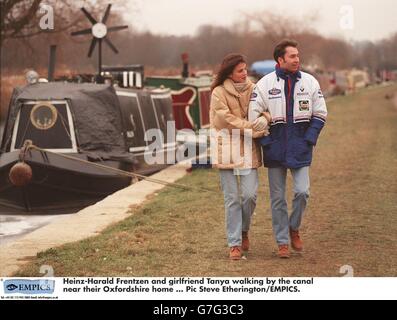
(43, 115)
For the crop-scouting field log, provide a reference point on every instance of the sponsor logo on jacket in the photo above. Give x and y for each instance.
(304, 105)
(253, 96)
(302, 92)
(274, 91)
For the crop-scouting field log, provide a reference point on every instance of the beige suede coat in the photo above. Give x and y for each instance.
(228, 111)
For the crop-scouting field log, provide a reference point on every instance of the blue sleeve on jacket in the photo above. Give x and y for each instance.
(314, 130)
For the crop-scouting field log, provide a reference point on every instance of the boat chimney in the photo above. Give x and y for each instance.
(185, 60)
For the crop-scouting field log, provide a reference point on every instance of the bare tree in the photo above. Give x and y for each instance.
(277, 26)
(20, 19)
(15, 15)
(388, 51)
(255, 35)
(29, 40)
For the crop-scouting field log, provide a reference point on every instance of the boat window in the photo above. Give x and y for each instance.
(44, 115)
(151, 119)
(163, 106)
(133, 122)
(48, 124)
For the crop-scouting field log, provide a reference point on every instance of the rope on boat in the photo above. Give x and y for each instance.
(29, 145)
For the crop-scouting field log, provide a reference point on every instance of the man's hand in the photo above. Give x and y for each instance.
(260, 124)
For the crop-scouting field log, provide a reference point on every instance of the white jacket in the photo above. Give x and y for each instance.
(297, 107)
(269, 95)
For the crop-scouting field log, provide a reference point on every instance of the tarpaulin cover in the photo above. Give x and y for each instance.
(95, 109)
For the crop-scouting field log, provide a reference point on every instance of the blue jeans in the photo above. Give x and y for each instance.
(280, 221)
(238, 208)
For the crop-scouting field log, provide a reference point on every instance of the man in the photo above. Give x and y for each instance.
(297, 107)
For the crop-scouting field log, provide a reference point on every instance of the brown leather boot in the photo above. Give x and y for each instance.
(235, 253)
(283, 251)
(296, 242)
(245, 246)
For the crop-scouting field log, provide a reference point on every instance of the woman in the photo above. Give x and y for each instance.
(231, 92)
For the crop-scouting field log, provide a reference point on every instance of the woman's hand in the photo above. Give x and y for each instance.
(260, 124)
(260, 134)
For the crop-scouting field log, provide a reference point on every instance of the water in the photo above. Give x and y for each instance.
(15, 226)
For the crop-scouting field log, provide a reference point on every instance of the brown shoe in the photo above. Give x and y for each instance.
(245, 246)
(283, 251)
(296, 242)
(235, 253)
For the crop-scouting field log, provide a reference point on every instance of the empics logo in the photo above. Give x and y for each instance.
(29, 286)
(11, 287)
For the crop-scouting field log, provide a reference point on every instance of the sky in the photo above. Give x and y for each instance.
(347, 19)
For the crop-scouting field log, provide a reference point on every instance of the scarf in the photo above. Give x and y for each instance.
(240, 86)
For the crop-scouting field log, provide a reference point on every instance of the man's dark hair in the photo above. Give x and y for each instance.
(279, 50)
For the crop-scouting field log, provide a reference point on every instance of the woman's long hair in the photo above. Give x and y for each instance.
(229, 62)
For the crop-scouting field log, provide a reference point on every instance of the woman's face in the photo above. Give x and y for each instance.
(239, 73)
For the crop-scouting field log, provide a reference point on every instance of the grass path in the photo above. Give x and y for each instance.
(351, 218)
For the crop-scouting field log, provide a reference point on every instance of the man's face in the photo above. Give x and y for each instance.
(290, 62)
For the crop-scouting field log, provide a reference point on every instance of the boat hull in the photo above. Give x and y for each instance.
(58, 184)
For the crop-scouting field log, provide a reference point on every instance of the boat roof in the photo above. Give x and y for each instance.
(95, 109)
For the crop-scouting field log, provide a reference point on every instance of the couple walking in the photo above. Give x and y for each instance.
(283, 115)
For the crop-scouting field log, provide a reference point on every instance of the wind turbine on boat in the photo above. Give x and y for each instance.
(100, 32)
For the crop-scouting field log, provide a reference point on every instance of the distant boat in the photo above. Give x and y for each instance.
(87, 123)
(191, 98)
(261, 68)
